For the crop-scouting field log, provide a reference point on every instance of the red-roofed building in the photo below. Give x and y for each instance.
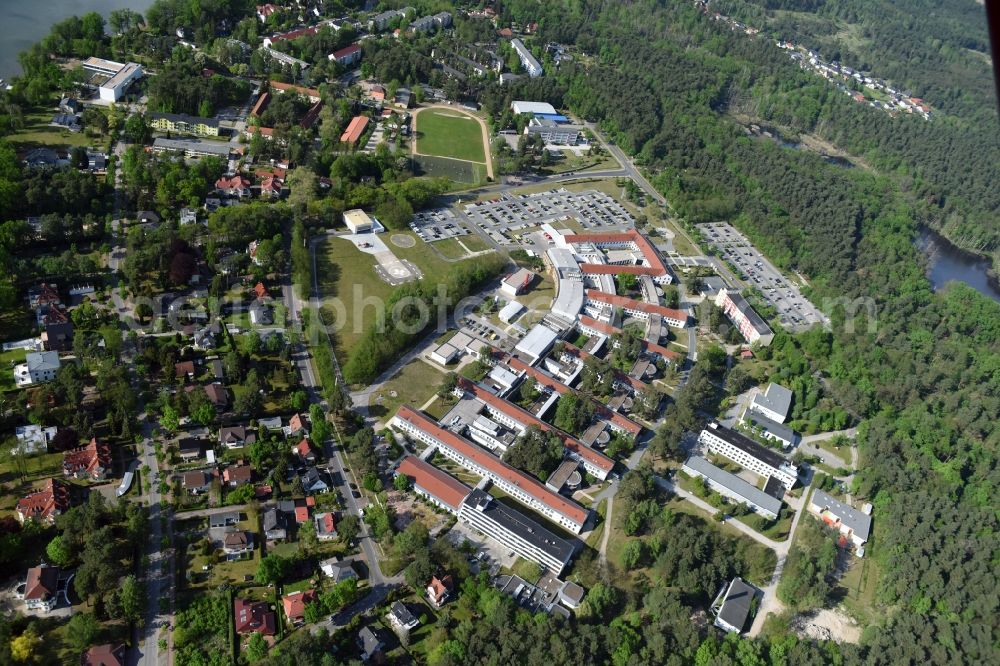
(354, 130)
(509, 414)
(303, 452)
(326, 526)
(639, 309)
(654, 266)
(184, 369)
(92, 461)
(234, 186)
(297, 424)
(261, 104)
(266, 132)
(237, 475)
(44, 504)
(439, 487)
(301, 514)
(377, 93)
(290, 35)
(279, 88)
(104, 655)
(41, 588)
(263, 11)
(271, 187)
(251, 616)
(522, 487)
(439, 589)
(592, 326)
(347, 55)
(260, 290)
(312, 115)
(618, 422)
(295, 605)
(506, 33)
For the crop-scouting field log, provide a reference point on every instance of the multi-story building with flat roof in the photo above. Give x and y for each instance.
(514, 530)
(745, 452)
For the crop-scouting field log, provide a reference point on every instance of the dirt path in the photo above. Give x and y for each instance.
(607, 531)
(458, 111)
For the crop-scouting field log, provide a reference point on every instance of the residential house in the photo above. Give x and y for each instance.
(184, 370)
(148, 218)
(313, 482)
(235, 437)
(253, 616)
(295, 605)
(297, 424)
(104, 655)
(205, 338)
(439, 590)
(263, 11)
(58, 333)
(188, 216)
(41, 588)
(217, 395)
(37, 367)
(234, 186)
(273, 524)
(237, 543)
(34, 438)
(43, 295)
(189, 449)
(370, 644)
(43, 505)
(261, 314)
(347, 55)
(401, 618)
(237, 475)
(303, 453)
(196, 483)
(299, 509)
(326, 526)
(260, 290)
(774, 403)
(92, 461)
(271, 187)
(338, 570)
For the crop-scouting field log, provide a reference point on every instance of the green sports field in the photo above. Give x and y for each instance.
(448, 133)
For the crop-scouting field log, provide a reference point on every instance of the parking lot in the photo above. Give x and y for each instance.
(504, 216)
(489, 552)
(435, 225)
(794, 311)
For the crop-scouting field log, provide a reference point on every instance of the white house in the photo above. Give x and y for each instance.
(38, 367)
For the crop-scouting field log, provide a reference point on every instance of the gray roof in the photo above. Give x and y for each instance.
(519, 524)
(185, 118)
(755, 319)
(857, 520)
(736, 605)
(47, 360)
(369, 641)
(210, 147)
(738, 486)
(538, 341)
(779, 430)
(402, 613)
(776, 398)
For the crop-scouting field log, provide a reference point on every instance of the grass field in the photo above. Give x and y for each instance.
(412, 385)
(347, 274)
(458, 171)
(450, 134)
(37, 132)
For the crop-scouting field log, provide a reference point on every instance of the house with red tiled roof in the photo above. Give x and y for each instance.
(43, 505)
(266, 132)
(92, 461)
(104, 655)
(326, 526)
(260, 290)
(279, 88)
(347, 55)
(184, 369)
(303, 452)
(41, 588)
(261, 104)
(237, 475)
(638, 309)
(439, 590)
(297, 424)
(271, 187)
(251, 616)
(311, 116)
(295, 604)
(234, 186)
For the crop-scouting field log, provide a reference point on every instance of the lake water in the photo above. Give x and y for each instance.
(946, 263)
(24, 23)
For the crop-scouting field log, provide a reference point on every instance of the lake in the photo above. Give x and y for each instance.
(27, 22)
(947, 263)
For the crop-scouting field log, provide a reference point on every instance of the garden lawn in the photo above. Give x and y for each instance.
(446, 133)
(413, 385)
